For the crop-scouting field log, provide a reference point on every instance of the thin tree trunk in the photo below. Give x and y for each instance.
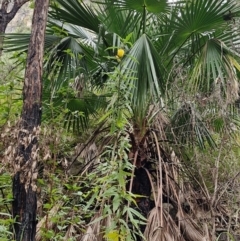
(24, 181)
(6, 16)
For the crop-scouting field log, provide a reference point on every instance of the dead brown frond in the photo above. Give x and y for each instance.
(85, 155)
(95, 229)
(90, 235)
(169, 231)
(46, 222)
(71, 231)
(189, 229)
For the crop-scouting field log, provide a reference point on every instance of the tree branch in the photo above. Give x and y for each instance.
(16, 6)
(4, 6)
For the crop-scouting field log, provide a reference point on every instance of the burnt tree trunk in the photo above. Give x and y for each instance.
(24, 181)
(6, 15)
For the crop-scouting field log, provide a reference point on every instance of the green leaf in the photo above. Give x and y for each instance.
(116, 202)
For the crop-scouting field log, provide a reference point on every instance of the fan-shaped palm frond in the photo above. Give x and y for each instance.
(143, 69)
(189, 128)
(84, 35)
(215, 60)
(75, 13)
(187, 31)
(65, 60)
(79, 111)
(75, 111)
(19, 41)
(118, 21)
(153, 6)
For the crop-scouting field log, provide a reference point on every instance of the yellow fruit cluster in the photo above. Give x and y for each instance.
(120, 53)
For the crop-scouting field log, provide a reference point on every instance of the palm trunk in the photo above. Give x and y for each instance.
(24, 181)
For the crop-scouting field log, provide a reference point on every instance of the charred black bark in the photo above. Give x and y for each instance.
(28, 201)
(142, 186)
(24, 204)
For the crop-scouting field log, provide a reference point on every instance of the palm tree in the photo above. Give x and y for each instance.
(180, 67)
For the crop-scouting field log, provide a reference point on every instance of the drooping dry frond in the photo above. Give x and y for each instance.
(189, 228)
(93, 231)
(169, 230)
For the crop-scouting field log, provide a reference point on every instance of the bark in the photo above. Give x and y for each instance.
(6, 16)
(24, 182)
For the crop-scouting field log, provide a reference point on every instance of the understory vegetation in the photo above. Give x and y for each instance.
(140, 131)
